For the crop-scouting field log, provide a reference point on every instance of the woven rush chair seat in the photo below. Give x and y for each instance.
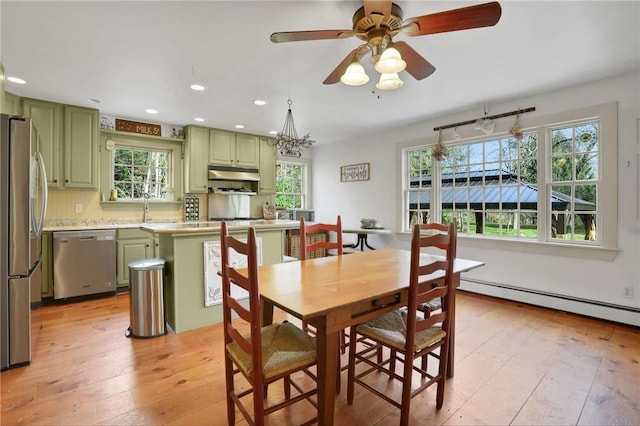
(284, 347)
(391, 329)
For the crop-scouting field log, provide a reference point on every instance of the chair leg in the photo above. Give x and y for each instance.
(287, 387)
(392, 362)
(406, 389)
(339, 370)
(231, 409)
(343, 342)
(258, 402)
(352, 365)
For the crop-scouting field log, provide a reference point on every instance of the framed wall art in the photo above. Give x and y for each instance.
(354, 172)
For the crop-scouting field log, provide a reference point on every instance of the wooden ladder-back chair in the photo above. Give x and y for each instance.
(316, 228)
(265, 354)
(405, 332)
(309, 247)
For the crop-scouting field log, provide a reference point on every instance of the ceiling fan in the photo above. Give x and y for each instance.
(377, 23)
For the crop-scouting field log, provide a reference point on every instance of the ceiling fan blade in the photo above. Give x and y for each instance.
(380, 7)
(417, 66)
(310, 35)
(481, 15)
(335, 75)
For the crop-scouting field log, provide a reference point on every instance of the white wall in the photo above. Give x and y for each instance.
(593, 280)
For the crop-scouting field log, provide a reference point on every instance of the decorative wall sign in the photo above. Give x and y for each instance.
(138, 127)
(354, 172)
(213, 264)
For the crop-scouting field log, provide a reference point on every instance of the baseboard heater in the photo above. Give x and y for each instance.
(592, 308)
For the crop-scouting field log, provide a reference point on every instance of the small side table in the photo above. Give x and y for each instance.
(362, 236)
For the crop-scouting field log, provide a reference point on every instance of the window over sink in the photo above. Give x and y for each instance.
(140, 173)
(135, 165)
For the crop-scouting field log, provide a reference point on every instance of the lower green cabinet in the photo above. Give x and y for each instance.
(133, 244)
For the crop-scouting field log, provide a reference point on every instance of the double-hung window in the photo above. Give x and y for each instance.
(291, 185)
(141, 173)
(141, 167)
(547, 186)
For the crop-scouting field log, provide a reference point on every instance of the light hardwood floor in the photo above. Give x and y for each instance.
(515, 364)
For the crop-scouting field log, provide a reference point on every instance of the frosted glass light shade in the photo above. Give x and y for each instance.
(389, 81)
(354, 75)
(390, 61)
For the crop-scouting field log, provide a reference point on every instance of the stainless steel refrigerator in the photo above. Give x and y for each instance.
(23, 204)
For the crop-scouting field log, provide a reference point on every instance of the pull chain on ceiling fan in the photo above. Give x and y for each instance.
(376, 23)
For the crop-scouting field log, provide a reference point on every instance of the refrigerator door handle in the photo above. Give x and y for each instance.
(37, 226)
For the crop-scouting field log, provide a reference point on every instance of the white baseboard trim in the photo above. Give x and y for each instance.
(607, 311)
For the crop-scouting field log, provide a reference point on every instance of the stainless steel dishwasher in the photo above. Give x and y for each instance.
(84, 263)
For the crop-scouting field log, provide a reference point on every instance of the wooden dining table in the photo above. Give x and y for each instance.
(336, 292)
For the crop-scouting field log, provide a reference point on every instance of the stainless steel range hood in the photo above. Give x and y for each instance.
(233, 173)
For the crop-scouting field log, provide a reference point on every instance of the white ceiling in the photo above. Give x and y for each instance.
(136, 55)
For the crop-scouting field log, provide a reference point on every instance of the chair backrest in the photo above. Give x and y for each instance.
(328, 228)
(443, 237)
(249, 282)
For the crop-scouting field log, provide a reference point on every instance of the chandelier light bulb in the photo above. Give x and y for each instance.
(390, 62)
(389, 81)
(355, 75)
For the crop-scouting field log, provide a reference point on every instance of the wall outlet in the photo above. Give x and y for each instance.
(78, 208)
(628, 293)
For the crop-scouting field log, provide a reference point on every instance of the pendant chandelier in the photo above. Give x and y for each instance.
(287, 141)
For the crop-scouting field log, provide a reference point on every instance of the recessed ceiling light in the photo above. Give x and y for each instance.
(260, 102)
(94, 100)
(151, 111)
(197, 87)
(199, 119)
(273, 132)
(16, 80)
(239, 126)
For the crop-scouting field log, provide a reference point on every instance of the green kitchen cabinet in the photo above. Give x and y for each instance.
(46, 263)
(80, 147)
(196, 159)
(233, 149)
(222, 146)
(247, 150)
(46, 118)
(131, 244)
(12, 104)
(67, 138)
(267, 167)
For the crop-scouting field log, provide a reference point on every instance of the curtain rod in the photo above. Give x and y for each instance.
(491, 117)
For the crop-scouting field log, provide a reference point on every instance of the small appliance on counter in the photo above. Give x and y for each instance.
(191, 209)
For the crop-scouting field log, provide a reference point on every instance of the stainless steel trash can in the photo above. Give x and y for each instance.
(146, 298)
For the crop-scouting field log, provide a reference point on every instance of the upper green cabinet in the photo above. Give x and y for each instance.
(80, 147)
(12, 104)
(267, 166)
(196, 159)
(67, 138)
(233, 149)
(46, 119)
(247, 150)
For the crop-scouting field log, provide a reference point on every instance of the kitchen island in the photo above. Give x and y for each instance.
(186, 248)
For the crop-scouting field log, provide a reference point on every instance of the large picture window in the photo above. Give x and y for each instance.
(543, 187)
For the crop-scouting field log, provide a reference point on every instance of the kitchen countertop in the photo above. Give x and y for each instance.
(67, 225)
(199, 227)
(172, 227)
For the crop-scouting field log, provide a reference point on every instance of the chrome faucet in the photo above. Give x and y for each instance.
(145, 215)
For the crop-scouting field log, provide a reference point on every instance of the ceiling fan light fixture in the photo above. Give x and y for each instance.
(355, 75)
(389, 81)
(390, 62)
